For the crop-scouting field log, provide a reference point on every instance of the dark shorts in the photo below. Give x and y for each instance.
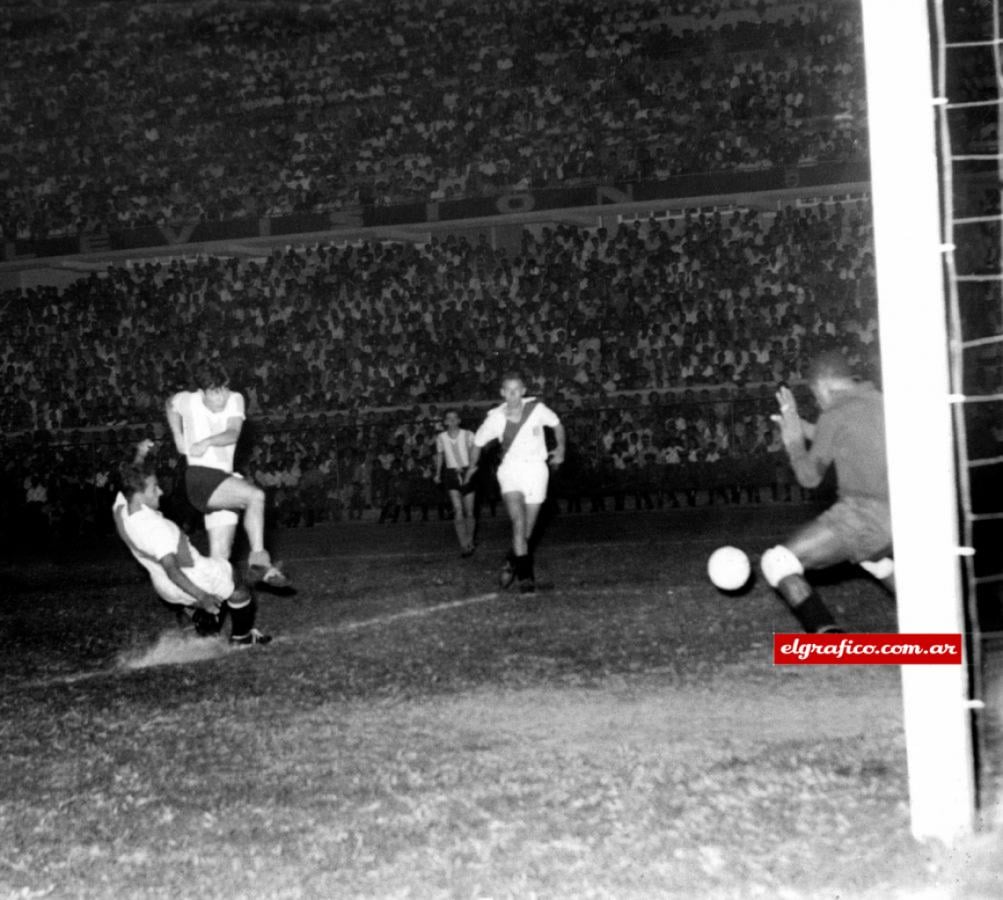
(200, 484)
(452, 481)
(862, 525)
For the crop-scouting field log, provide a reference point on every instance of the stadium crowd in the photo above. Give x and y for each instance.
(118, 116)
(164, 115)
(724, 297)
(347, 354)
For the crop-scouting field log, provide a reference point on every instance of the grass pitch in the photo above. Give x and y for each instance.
(414, 732)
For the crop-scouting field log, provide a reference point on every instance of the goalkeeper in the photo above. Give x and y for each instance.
(197, 586)
(849, 434)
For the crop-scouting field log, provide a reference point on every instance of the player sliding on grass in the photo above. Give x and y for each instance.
(196, 586)
(206, 425)
(523, 474)
(452, 457)
(850, 433)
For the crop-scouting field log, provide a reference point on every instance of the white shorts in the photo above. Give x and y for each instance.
(215, 576)
(528, 477)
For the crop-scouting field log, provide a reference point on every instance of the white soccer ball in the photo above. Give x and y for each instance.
(729, 568)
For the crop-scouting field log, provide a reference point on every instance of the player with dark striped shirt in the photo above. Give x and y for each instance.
(452, 462)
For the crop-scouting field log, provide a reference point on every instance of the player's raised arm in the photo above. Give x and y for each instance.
(806, 468)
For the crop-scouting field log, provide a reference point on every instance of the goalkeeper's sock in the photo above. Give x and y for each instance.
(812, 614)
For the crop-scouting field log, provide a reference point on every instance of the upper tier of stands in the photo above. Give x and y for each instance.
(655, 304)
(118, 115)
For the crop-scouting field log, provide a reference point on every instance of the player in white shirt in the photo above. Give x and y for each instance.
(452, 457)
(195, 585)
(518, 424)
(206, 426)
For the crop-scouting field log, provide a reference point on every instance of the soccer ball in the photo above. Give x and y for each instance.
(729, 568)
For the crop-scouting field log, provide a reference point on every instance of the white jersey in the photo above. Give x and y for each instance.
(200, 422)
(455, 452)
(150, 536)
(530, 443)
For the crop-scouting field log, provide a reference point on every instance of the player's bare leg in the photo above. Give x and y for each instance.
(221, 538)
(515, 506)
(459, 522)
(532, 514)
(469, 517)
(519, 563)
(237, 494)
(463, 520)
(815, 546)
(527, 580)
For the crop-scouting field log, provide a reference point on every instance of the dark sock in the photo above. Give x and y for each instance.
(807, 606)
(242, 615)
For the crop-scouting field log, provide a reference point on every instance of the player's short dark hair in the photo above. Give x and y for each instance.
(513, 375)
(132, 477)
(210, 375)
(830, 364)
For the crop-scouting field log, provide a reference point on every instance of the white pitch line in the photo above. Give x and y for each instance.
(604, 591)
(413, 613)
(416, 612)
(422, 554)
(72, 678)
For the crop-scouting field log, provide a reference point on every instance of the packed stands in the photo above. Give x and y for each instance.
(117, 116)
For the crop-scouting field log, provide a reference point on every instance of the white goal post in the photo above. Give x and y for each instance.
(915, 378)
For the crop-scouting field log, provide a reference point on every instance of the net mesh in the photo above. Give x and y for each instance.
(969, 103)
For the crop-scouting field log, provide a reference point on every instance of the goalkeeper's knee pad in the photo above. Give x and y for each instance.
(778, 563)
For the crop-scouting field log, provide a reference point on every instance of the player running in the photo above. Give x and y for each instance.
(850, 433)
(452, 461)
(206, 425)
(523, 474)
(197, 586)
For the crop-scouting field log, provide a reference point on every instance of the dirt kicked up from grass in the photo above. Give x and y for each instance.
(411, 734)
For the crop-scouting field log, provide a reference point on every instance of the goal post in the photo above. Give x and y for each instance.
(905, 190)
